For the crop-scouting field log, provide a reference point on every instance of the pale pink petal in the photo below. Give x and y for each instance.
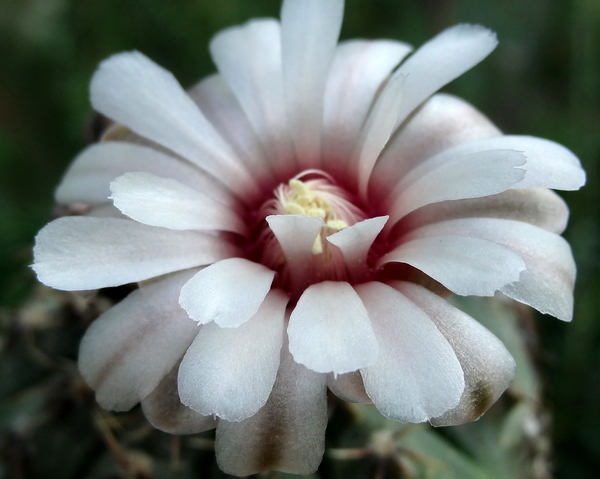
(358, 70)
(287, 434)
(230, 372)
(88, 178)
(136, 92)
(79, 253)
(448, 176)
(249, 58)
(537, 206)
(441, 60)
(222, 109)
(228, 292)
(218, 103)
(158, 201)
(441, 122)
(547, 284)
(330, 330)
(464, 265)
(164, 410)
(378, 128)
(296, 235)
(417, 376)
(348, 387)
(488, 366)
(549, 165)
(309, 34)
(355, 241)
(127, 351)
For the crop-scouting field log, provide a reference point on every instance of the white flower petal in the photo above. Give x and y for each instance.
(379, 128)
(538, 206)
(158, 201)
(287, 434)
(220, 106)
(79, 253)
(296, 235)
(547, 285)
(136, 92)
(358, 70)
(309, 33)
(127, 351)
(164, 410)
(228, 292)
(230, 371)
(441, 60)
(464, 265)
(448, 176)
(88, 178)
(441, 122)
(348, 387)
(488, 366)
(249, 58)
(330, 330)
(549, 165)
(417, 376)
(355, 241)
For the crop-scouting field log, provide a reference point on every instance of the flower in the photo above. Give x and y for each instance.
(309, 206)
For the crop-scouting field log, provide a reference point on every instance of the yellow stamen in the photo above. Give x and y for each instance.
(337, 224)
(317, 245)
(303, 200)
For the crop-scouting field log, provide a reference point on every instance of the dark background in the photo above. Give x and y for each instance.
(542, 80)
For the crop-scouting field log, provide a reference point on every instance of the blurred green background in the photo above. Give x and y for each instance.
(542, 80)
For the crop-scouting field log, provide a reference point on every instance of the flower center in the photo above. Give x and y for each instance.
(312, 193)
(299, 198)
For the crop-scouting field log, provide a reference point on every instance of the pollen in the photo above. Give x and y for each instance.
(303, 200)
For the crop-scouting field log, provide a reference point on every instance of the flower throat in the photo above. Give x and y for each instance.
(312, 193)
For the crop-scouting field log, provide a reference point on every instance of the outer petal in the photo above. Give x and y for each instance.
(158, 201)
(164, 410)
(441, 60)
(79, 253)
(417, 376)
(330, 330)
(136, 92)
(488, 366)
(249, 58)
(355, 241)
(464, 265)
(216, 100)
(129, 349)
(287, 434)
(358, 70)
(348, 387)
(537, 206)
(453, 177)
(230, 371)
(549, 165)
(309, 33)
(228, 292)
(88, 178)
(440, 123)
(548, 282)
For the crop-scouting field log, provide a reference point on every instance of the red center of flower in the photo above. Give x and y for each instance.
(309, 194)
